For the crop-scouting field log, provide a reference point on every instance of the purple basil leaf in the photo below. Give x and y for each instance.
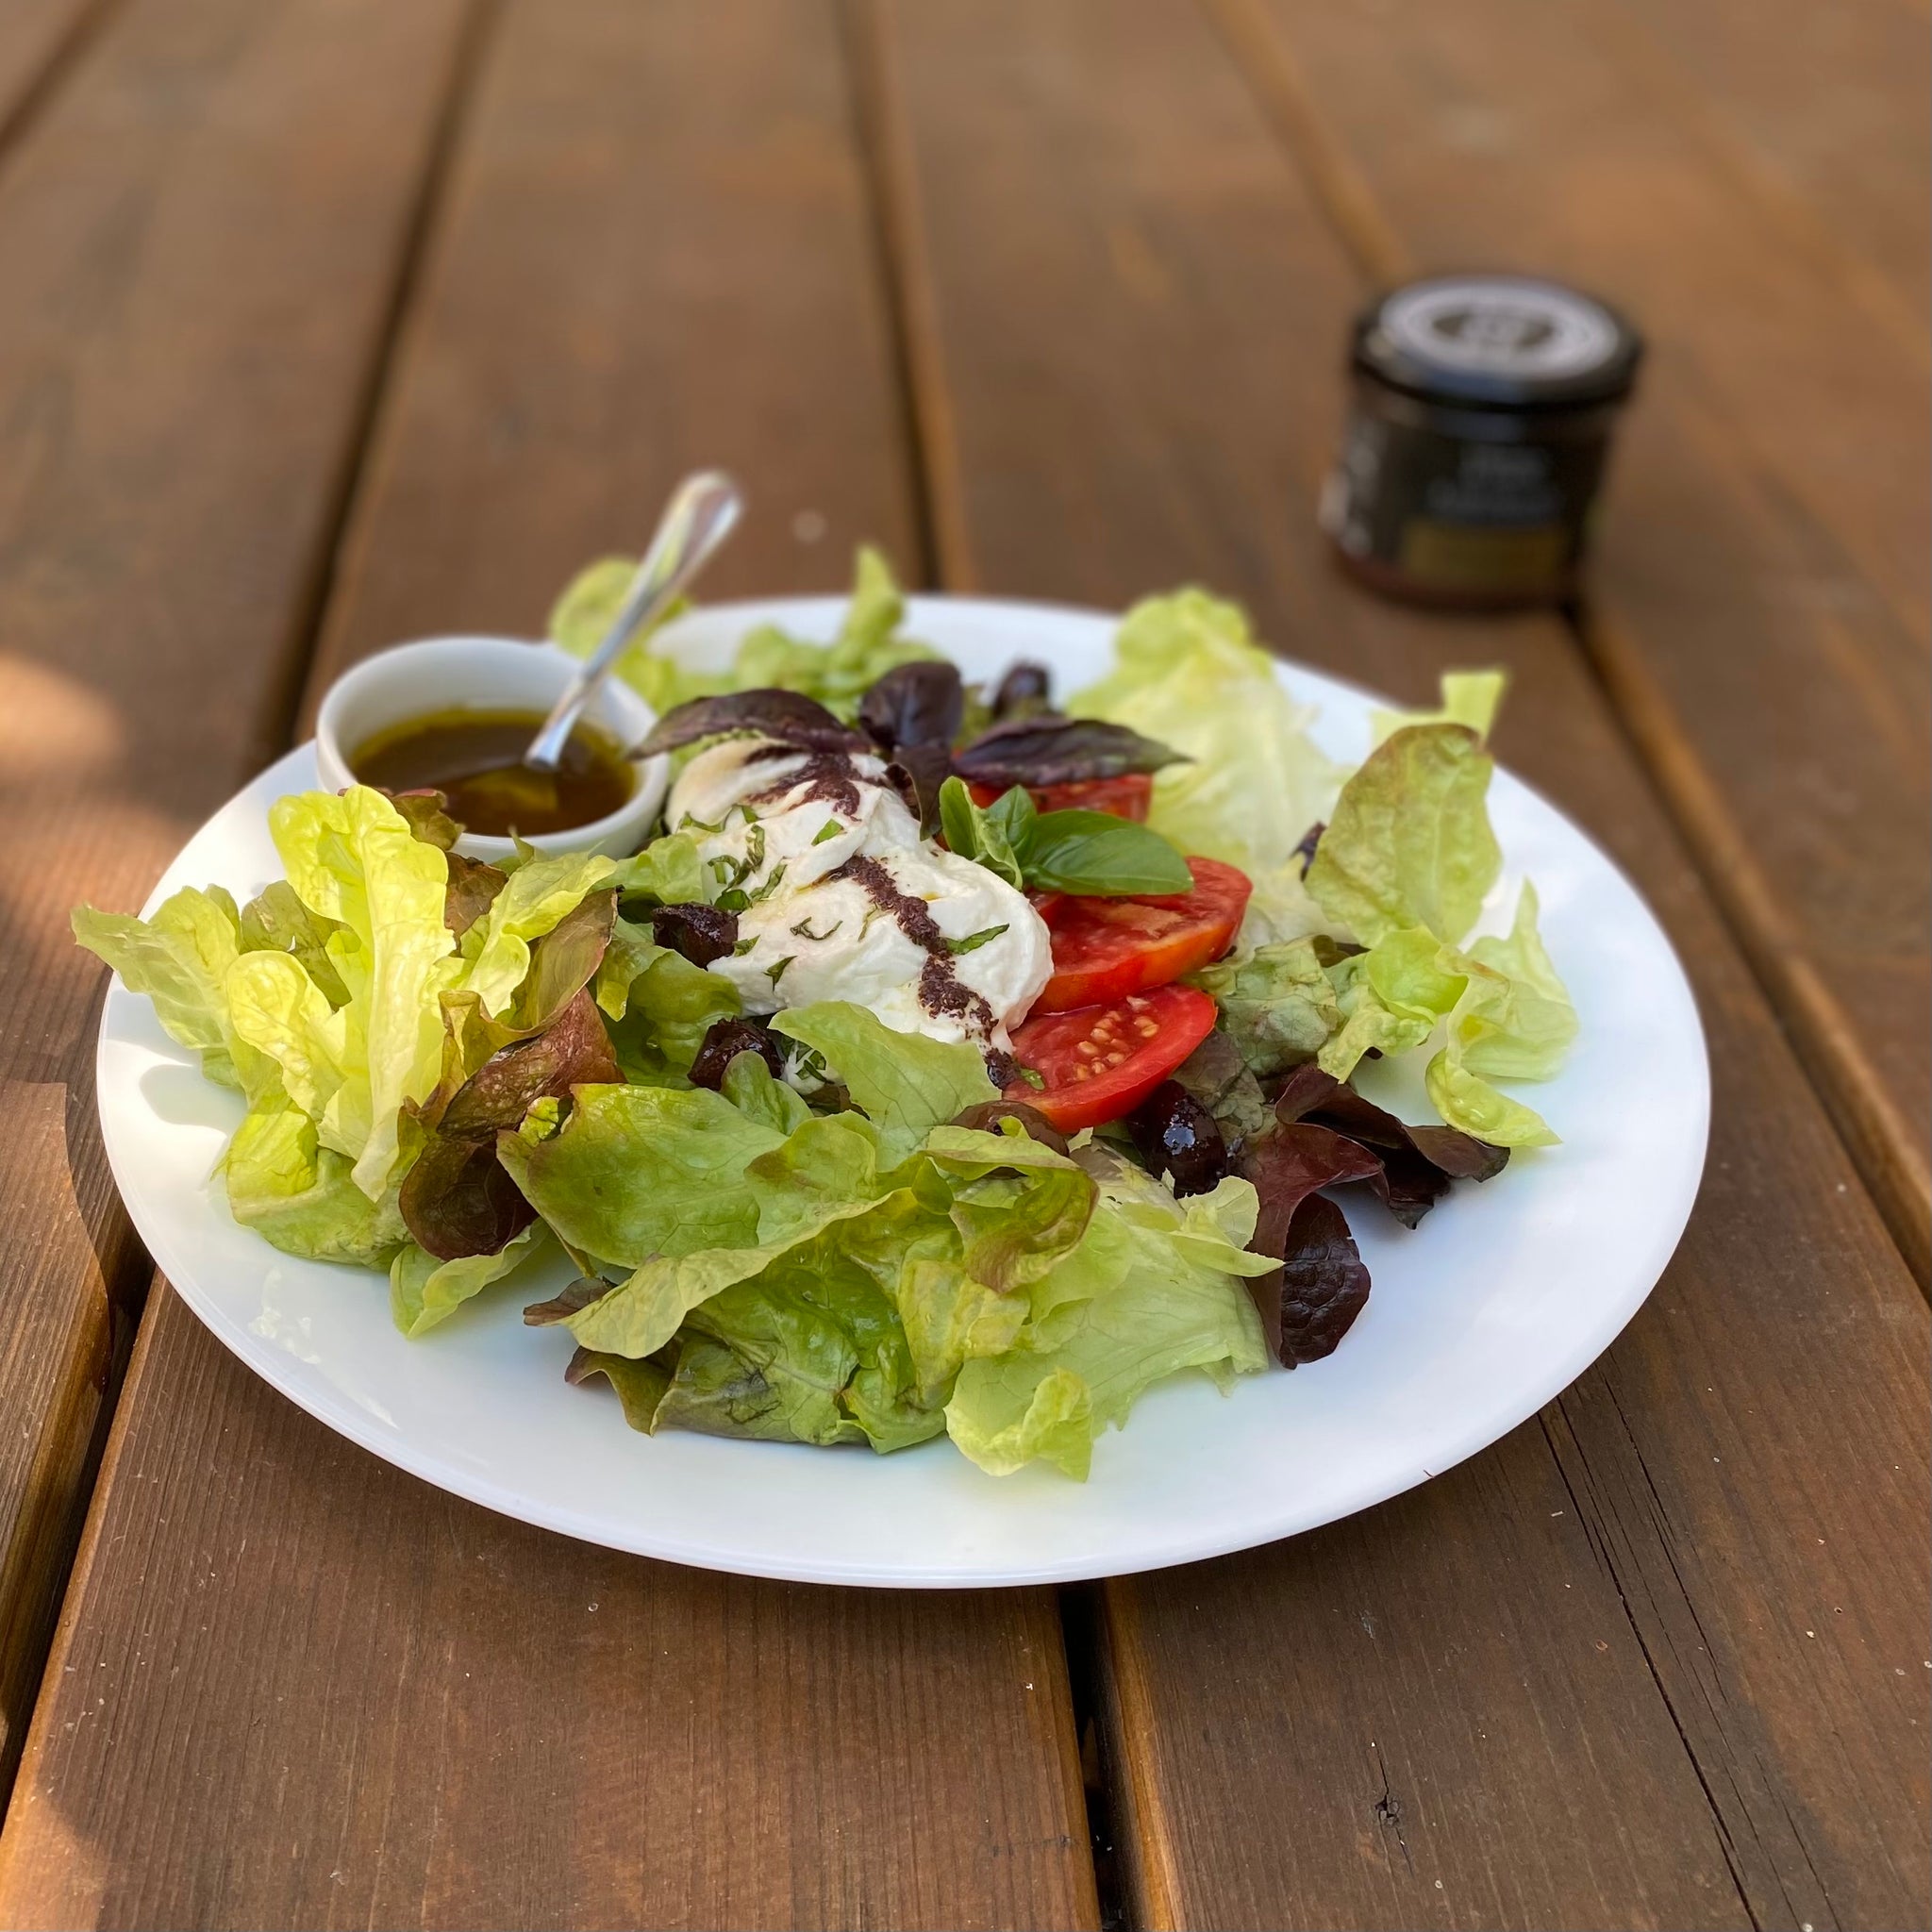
(1324, 1283)
(921, 703)
(1050, 750)
(789, 716)
(1024, 692)
(917, 771)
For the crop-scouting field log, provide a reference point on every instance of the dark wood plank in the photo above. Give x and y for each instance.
(1657, 1660)
(1758, 610)
(294, 1687)
(202, 231)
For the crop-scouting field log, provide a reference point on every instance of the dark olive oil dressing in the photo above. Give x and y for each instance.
(474, 758)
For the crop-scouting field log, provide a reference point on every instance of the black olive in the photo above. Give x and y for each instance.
(1025, 689)
(723, 1042)
(1178, 1137)
(701, 933)
(987, 1115)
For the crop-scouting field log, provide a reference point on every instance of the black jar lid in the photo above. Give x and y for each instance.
(1503, 342)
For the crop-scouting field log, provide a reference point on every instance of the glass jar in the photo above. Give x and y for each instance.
(1481, 414)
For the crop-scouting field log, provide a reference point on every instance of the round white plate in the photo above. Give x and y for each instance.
(1499, 1300)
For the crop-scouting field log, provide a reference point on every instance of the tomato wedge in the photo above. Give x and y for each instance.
(1103, 949)
(1126, 797)
(1100, 1063)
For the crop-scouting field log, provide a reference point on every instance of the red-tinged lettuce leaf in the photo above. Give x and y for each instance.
(427, 813)
(1324, 1283)
(1051, 750)
(457, 1199)
(789, 716)
(568, 1301)
(914, 704)
(472, 891)
(1287, 1167)
(566, 958)
(1417, 1162)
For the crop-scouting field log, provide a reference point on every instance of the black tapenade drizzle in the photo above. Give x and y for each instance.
(940, 991)
(829, 779)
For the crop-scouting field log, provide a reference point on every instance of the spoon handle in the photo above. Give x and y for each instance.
(701, 514)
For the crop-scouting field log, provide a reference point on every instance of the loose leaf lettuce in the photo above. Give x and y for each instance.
(1468, 697)
(298, 1194)
(538, 897)
(906, 1083)
(424, 1292)
(1188, 672)
(1409, 843)
(352, 858)
(180, 960)
(1277, 1004)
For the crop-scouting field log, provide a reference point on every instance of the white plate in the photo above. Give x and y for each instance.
(1500, 1299)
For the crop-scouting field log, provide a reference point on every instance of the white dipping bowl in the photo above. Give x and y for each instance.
(489, 674)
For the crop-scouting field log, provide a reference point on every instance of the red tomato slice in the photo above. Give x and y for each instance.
(1100, 1063)
(1126, 798)
(1103, 949)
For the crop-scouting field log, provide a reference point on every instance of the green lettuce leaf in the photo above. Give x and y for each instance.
(424, 1291)
(1410, 842)
(639, 1172)
(667, 870)
(539, 895)
(906, 1083)
(352, 860)
(1513, 1020)
(1153, 1288)
(276, 921)
(180, 960)
(299, 1195)
(660, 1006)
(839, 673)
(1468, 697)
(1188, 672)
(1277, 1005)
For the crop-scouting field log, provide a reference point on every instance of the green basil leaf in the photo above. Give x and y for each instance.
(1101, 856)
(984, 835)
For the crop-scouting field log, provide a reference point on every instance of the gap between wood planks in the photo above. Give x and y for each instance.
(1883, 1144)
(28, 1624)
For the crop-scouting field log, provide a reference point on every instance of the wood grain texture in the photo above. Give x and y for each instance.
(38, 38)
(194, 291)
(1757, 606)
(1657, 1658)
(294, 1687)
(302, 1688)
(1823, 112)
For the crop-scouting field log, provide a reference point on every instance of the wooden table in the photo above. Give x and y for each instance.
(329, 322)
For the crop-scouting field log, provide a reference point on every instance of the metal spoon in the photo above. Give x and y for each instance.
(702, 513)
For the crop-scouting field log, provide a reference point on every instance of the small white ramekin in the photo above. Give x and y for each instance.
(488, 674)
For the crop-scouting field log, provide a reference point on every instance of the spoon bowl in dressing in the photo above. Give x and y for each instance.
(430, 706)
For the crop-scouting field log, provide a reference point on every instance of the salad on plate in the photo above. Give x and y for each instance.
(953, 1060)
